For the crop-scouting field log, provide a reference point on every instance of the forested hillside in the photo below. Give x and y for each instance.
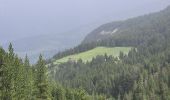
(127, 59)
(142, 25)
(143, 74)
(21, 81)
(131, 32)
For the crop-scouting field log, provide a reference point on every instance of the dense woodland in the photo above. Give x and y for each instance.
(143, 74)
(21, 81)
(140, 75)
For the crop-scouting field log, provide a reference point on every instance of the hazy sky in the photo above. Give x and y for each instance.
(23, 18)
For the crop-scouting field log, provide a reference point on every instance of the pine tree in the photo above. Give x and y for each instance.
(29, 78)
(11, 52)
(6, 73)
(19, 80)
(165, 95)
(2, 74)
(42, 92)
(139, 92)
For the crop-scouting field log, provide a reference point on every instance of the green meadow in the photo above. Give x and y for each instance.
(88, 55)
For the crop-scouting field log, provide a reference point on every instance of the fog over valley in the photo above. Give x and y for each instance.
(41, 26)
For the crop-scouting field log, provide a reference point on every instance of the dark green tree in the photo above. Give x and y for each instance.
(42, 91)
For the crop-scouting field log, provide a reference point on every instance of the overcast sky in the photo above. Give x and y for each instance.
(24, 18)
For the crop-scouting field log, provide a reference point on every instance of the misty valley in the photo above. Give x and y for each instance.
(119, 60)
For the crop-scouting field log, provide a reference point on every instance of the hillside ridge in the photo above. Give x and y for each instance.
(123, 26)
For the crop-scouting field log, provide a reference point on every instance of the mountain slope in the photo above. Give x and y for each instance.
(132, 32)
(142, 74)
(140, 25)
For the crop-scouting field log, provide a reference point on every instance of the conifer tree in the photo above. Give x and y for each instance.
(6, 74)
(139, 92)
(2, 75)
(165, 95)
(29, 78)
(19, 80)
(41, 82)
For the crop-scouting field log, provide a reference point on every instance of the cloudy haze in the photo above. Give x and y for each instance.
(25, 18)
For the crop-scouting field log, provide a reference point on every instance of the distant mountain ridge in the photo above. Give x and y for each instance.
(122, 27)
(131, 32)
(46, 44)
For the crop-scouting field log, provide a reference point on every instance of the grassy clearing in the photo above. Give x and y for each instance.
(88, 55)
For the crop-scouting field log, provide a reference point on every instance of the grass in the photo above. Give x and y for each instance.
(88, 55)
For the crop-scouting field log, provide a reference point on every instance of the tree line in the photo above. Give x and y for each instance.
(143, 74)
(19, 80)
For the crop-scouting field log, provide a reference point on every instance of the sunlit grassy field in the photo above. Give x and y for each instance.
(88, 55)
